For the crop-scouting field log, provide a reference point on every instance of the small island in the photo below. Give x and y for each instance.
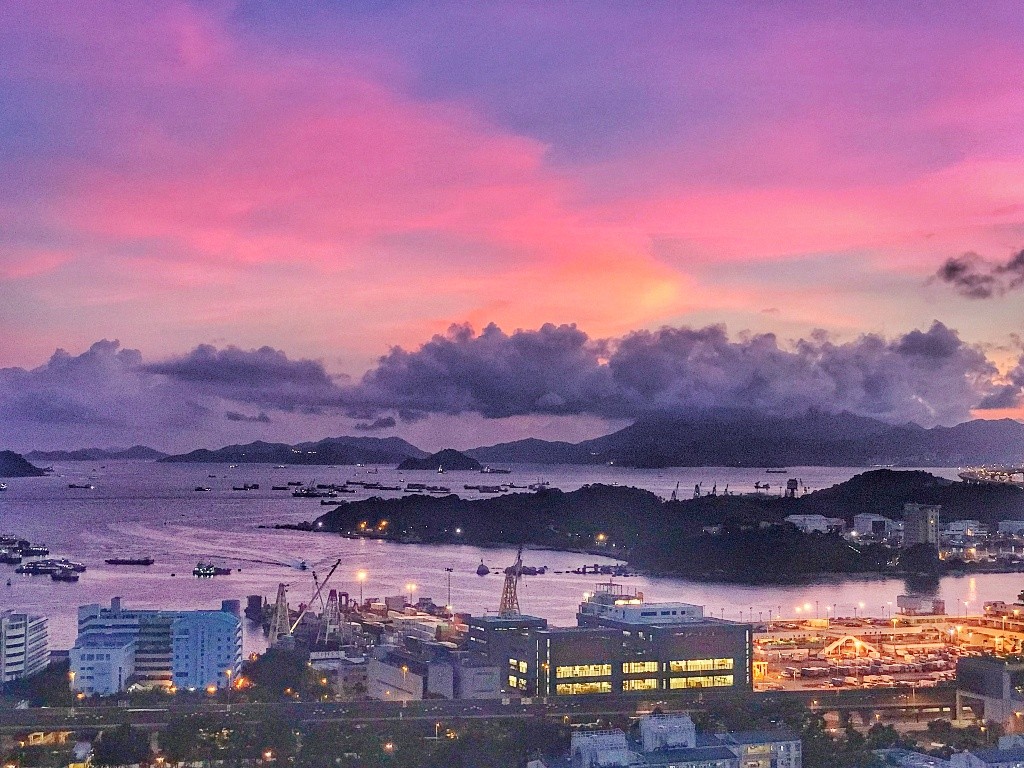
(15, 465)
(448, 460)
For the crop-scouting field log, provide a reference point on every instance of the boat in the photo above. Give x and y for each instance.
(280, 488)
(540, 485)
(64, 574)
(780, 471)
(83, 486)
(491, 489)
(246, 487)
(294, 482)
(7, 557)
(202, 488)
(71, 565)
(495, 471)
(3, 486)
(440, 470)
(280, 466)
(129, 561)
(33, 550)
(482, 570)
(206, 570)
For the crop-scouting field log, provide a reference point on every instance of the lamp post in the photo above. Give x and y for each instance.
(410, 588)
(360, 577)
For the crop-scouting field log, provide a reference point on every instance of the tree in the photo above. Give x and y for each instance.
(121, 746)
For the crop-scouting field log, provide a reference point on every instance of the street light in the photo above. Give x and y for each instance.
(360, 577)
(410, 588)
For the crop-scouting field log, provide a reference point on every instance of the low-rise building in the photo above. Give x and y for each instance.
(1011, 527)
(817, 523)
(868, 524)
(672, 740)
(991, 688)
(102, 663)
(24, 645)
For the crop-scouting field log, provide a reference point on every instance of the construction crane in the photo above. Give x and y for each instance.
(510, 592)
(316, 594)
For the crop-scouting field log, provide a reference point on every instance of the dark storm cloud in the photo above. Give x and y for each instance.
(263, 376)
(979, 278)
(109, 395)
(929, 376)
(97, 397)
(260, 418)
(384, 422)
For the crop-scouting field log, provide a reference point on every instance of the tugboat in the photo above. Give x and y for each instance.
(482, 570)
(207, 570)
(129, 561)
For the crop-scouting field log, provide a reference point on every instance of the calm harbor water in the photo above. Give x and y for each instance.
(142, 508)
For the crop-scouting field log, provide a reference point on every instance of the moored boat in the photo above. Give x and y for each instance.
(129, 561)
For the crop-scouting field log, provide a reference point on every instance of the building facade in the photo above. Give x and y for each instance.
(622, 645)
(24, 645)
(921, 524)
(187, 649)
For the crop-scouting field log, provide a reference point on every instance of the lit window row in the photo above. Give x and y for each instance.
(570, 689)
(636, 667)
(706, 681)
(585, 670)
(700, 665)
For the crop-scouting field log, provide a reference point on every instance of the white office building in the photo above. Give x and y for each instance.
(185, 649)
(24, 645)
(102, 663)
(206, 648)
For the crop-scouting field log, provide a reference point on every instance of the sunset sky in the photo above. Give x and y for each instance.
(300, 187)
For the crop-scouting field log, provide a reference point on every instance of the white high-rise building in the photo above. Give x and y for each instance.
(24, 645)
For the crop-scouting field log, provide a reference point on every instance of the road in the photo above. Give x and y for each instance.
(579, 708)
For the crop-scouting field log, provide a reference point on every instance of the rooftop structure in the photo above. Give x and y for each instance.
(614, 603)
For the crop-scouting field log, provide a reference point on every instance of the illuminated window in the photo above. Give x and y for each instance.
(585, 670)
(522, 667)
(702, 681)
(570, 689)
(723, 663)
(637, 667)
(643, 684)
(513, 681)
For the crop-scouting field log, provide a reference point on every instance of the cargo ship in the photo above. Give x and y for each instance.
(129, 561)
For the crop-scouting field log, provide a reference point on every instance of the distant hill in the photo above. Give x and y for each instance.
(333, 450)
(712, 538)
(15, 465)
(136, 452)
(746, 438)
(448, 459)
